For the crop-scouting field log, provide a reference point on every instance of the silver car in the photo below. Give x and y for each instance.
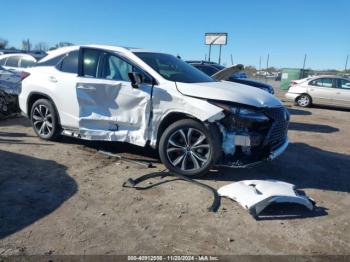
(325, 90)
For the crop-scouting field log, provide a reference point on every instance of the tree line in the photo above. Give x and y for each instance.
(28, 46)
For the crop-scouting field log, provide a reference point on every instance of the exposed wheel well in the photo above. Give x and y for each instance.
(36, 96)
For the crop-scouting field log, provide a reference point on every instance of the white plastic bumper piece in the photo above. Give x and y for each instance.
(256, 195)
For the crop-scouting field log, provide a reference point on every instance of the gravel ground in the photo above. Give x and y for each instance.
(66, 198)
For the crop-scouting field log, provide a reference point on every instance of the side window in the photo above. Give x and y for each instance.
(69, 63)
(13, 61)
(342, 83)
(2, 61)
(91, 60)
(51, 62)
(323, 82)
(116, 69)
(25, 62)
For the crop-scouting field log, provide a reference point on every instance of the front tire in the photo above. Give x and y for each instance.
(188, 148)
(304, 100)
(44, 120)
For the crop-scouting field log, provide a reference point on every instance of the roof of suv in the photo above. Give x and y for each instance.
(66, 49)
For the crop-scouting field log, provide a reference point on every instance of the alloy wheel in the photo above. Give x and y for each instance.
(304, 100)
(188, 149)
(42, 120)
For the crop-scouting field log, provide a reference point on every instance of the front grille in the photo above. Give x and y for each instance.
(279, 128)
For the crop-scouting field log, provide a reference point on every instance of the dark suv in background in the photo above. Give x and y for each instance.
(211, 68)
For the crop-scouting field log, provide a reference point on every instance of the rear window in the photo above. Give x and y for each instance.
(209, 70)
(13, 61)
(2, 61)
(25, 62)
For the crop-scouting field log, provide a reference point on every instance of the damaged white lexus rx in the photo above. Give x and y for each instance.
(149, 98)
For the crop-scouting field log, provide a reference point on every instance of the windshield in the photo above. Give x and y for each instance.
(173, 69)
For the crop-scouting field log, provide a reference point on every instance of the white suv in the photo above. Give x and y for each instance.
(150, 98)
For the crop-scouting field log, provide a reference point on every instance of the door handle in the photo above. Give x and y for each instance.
(52, 79)
(338, 93)
(91, 88)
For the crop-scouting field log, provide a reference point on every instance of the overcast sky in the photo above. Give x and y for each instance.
(284, 29)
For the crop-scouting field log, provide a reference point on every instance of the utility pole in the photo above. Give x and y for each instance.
(267, 62)
(209, 52)
(304, 62)
(220, 55)
(231, 59)
(346, 62)
(260, 64)
(205, 57)
(267, 66)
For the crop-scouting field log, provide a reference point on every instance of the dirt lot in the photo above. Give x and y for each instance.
(66, 198)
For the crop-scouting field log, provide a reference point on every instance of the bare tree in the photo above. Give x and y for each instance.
(3, 43)
(26, 45)
(41, 46)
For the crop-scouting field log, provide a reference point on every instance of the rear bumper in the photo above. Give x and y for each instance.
(273, 154)
(291, 96)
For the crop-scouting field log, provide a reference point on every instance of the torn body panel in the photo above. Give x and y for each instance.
(10, 88)
(256, 195)
(113, 111)
(168, 100)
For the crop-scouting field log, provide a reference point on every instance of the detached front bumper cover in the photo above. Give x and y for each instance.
(256, 195)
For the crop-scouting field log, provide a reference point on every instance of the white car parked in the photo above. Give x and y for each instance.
(142, 97)
(17, 61)
(325, 90)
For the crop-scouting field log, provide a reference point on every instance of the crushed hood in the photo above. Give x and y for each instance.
(230, 92)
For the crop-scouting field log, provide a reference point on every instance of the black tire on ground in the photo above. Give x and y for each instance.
(44, 120)
(304, 100)
(196, 159)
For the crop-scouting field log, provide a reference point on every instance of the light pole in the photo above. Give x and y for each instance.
(346, 62)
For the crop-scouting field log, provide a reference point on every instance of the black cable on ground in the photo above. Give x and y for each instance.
(131, 183)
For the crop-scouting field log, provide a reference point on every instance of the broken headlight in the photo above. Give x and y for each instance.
(243, 113)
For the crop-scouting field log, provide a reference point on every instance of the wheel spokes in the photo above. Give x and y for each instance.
(187, 149)
(179, 159)
(199, 140)
(42, 120)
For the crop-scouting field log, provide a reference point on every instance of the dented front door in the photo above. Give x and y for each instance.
(109, 107)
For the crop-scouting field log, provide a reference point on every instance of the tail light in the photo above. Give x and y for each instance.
(24, 75)
(293, 83)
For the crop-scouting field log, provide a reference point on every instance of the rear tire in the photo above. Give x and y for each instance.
(304, 100)
(189, 148)
(44, 120)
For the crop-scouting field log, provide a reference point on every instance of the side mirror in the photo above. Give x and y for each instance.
(136, 79)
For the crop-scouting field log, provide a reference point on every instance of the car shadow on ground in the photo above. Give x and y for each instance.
(299, 112)
(127, 151)
(335, 108)
(317, 128)
(30, 189)
(12, 138)
(15, 120)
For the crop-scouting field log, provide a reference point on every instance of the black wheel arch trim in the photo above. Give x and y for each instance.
(41, 96)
